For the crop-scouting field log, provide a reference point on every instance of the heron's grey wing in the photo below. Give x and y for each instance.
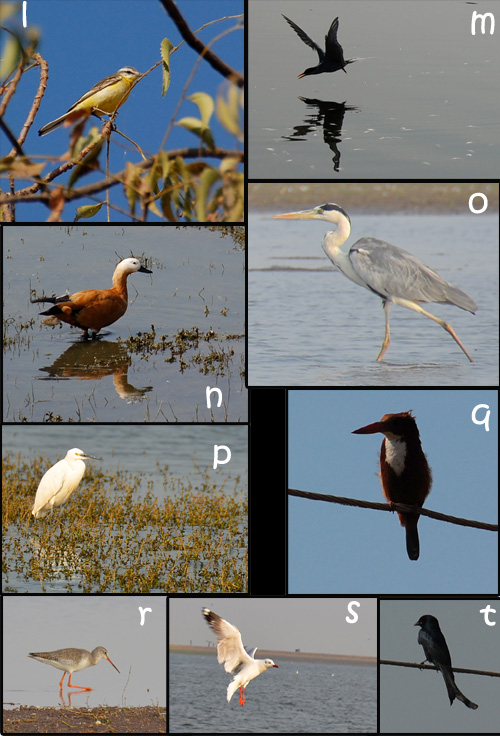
(301, 34)
(333, 49)
(390, 271)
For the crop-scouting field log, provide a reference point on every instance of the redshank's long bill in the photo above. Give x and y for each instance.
(72, 660)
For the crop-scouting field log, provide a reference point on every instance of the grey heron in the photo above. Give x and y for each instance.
(332, 58)
(391, 272)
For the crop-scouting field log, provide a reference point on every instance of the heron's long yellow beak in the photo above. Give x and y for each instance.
(303, 215)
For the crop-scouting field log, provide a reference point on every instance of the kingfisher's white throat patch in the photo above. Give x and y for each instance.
(395, 453)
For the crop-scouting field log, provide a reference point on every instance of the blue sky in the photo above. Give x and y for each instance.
(84, 41)
(340, 550)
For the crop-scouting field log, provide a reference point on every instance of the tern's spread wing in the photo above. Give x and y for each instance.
(334, 51)
(301, 34)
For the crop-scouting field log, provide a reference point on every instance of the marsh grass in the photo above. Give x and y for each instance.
(114, 536)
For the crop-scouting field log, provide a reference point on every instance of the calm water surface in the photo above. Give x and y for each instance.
(309, 325)
(303, 698)
(421, 106)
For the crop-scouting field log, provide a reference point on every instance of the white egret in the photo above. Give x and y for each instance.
(59, 482)
(392, 273)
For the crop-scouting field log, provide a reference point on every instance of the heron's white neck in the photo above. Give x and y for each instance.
(332, 243)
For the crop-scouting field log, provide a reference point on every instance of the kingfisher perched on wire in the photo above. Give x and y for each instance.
(404, 470)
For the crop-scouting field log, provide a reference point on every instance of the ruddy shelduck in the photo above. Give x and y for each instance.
(95, 308)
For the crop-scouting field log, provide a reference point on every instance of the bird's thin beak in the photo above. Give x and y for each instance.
(370, 428)
(303, 215)
(116, 668)
(417, 624)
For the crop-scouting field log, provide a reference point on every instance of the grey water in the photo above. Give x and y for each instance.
(424, 104)
(303, 697)
(309, 325)
(198, 281)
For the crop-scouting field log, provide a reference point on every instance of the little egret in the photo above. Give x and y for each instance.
(72, 660)
(332, 58)
(59, 482)
(391, 272)
(94, 309)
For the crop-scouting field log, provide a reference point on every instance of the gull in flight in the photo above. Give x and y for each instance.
(238, 661)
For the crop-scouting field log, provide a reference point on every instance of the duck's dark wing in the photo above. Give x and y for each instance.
(300, 33)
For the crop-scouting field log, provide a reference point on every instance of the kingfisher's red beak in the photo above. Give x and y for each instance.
(370, 428)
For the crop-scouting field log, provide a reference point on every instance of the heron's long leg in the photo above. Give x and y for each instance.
(387, 340)
(445, 325)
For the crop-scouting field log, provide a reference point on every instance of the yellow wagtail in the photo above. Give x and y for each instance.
(104, 98)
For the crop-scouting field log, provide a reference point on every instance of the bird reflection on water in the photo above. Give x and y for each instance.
(325, 115)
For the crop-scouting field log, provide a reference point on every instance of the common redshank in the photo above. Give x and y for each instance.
(72, 660)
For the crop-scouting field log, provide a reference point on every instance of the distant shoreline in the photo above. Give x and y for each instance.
(284, 656)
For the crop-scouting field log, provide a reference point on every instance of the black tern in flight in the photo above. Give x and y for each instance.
(330, 60)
